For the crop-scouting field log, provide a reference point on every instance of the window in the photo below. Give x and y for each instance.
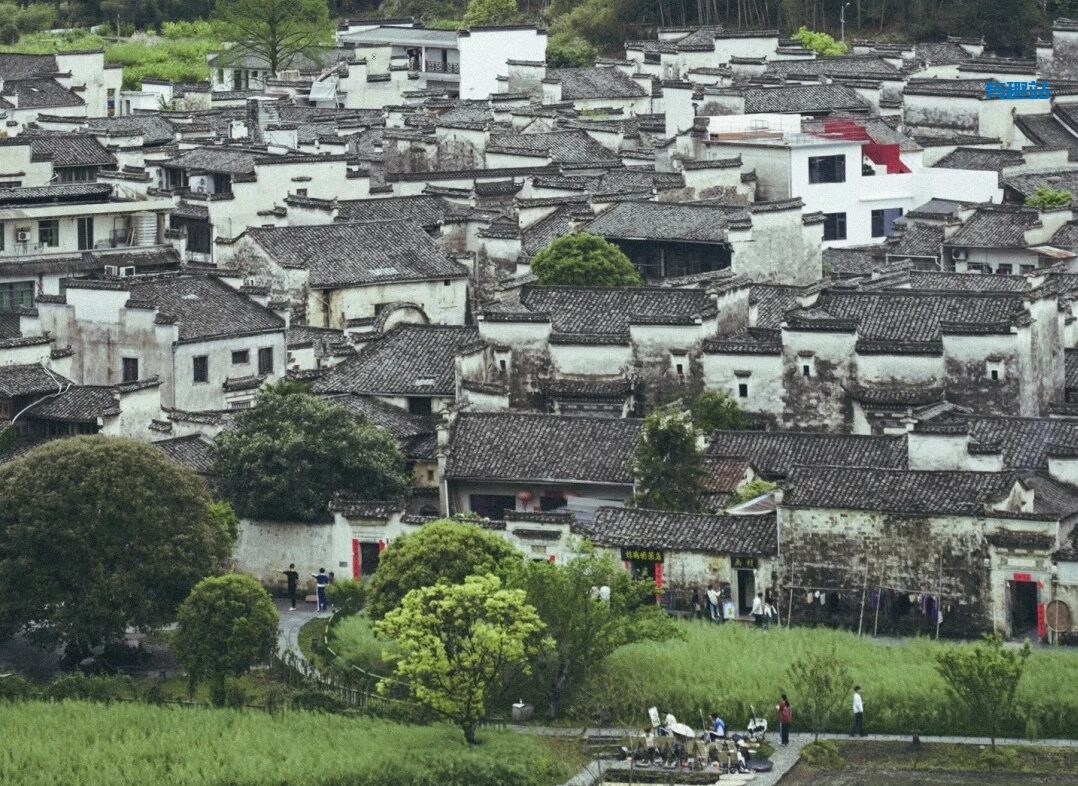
(419, 405)
(48, 232)
(1, 235)
(501, 367)
(85, 227)
(16, 294)
(301, 192)
(240, 357)
(1024, 268)
(243, 404)
(743, 390)
(201, 369)
(491, 506)
(806, 370)
(680, 370)
(1004, 270)
(265, 360)
(430, 475)
(834, 226)
(446, 282)
(130, 369)
(994, 369)
(883, 221)
(827, 169)
(6, 184)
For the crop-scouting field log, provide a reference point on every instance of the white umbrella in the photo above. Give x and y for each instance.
(682, 730)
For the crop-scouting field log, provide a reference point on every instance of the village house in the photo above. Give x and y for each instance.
(72, 84)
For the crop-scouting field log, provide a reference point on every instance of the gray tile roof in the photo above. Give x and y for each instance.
(772, 301)
(966, 282)
(844, 262)
(1026, 183)
(563, 147)
(1047, 130)
(423, 209)
(803, 98)
(996, 226)
(776, 453)
(360, 253)
(598, 82)
(65, 149)
(941, 53)
(205, 308)
(542, 448)
(659, 529)
(78, 404)
(401, 424)
(943, 493)
(153, 128)
(916, 240)
(668, 221)
(225, 160)
(537, 236)
(1024, 442)
(585, 311)
(66, 192)
(937, 208)
(20, 66)
(1071, 364)
(958, 88)
(859, 66)
(917, 316)
(408, 360)
(192, 451)
(980, 158)
(28, 379)
(39, 94)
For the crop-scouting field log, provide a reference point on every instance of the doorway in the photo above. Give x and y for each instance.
(1023, 607)
(746, 591)
(368, 558)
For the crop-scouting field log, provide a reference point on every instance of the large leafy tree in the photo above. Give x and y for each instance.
(583, 259)
(443, 551)
(819, 683)
(292, 451)
(456, 645)
(584, 628)
(669, 463)
(274, 31)
(490, 12)
(984, 677)
(101, 533)
(225, 626)
(717, 410)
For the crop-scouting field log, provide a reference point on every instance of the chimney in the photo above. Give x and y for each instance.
(254, 121)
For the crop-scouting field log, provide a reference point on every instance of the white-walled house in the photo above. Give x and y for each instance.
(211, 346)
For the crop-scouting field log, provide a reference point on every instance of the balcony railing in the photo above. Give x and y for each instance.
(439, 67)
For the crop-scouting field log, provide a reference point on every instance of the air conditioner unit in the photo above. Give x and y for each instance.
(22, 236)
(127, 272)
(958, 254)
(112, 270)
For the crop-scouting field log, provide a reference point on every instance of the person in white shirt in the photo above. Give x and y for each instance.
(758, 609)
(858, 713)
(713, 604)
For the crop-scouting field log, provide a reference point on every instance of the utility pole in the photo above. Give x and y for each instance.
(842, 20)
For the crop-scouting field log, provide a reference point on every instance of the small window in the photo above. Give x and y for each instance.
(680, 370)
(995, 373)
(419, 405)
(827, 169)
(994, 369)
(806, 370)
(883, 221)
(430, 474)
(265, 360)
(1004, 270)
(446, 282)
(48, 233)
(743, 390)
(301, 192)
(201, 369)
(834, 226)
(130, 369)
(501, 367)
(241, 357)
(244, 404)
(17, 294)
(1024, 268)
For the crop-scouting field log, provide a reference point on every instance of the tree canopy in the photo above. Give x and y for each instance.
(98, 534)
(225, 626)
(819, 684)
(820, 43)
(275, 31)
(584, 628)
(456, 644)
(669, 463)
(717, 410)
(292, 451)
(583, 259)
(490, 12)
(984, 677)
(443, 551)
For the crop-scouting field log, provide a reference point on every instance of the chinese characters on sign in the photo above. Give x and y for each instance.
(641, 554)
(1033, 89)
(748, 563)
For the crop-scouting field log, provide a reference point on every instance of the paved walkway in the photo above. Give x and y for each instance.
(291, 622)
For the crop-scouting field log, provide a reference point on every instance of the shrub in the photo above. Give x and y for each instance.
(1045, 198)
(90, 688)
(14, 687)
(347, 596)
(822, 755)
(569, 52)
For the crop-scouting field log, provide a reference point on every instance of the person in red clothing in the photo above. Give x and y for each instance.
(786, 716)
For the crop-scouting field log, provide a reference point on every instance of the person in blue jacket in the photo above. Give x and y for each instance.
(321, 579)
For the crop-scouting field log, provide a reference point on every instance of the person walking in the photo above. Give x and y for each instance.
(713, 604)
(786, 716)
(694, 602)
(321, 581)
(858, 713)
(291, 576)
(758, 609)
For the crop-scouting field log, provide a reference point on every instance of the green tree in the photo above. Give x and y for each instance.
(1045, 198)
(443, 551)
(583, 628)
(291, 452)
(669, 463)
(751, 490)
(984, 677)
(274, 31)
(225, 626)
(820, 43)
(568, 51)
(583, 259)
(820, 682)
(347, 596)
(458, 644)
(716, 410)
(98, 534)
(490, 12)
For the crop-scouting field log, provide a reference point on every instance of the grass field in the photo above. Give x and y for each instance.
(727, 668)
(121, 744)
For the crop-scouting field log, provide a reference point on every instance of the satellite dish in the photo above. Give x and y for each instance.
(1057, 616)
